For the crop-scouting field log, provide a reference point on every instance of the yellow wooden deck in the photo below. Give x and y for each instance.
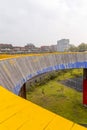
(17, 113)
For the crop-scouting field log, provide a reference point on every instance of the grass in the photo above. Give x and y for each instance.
(61, 99)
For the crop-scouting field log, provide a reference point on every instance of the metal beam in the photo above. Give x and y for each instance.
(85, 86)
(22, 92)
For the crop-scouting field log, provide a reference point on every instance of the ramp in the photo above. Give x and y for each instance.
(17, 113)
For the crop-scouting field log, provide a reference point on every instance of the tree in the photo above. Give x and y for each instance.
(73, 48)
(82, 47)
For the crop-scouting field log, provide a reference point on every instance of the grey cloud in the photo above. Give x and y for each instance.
(22, 21)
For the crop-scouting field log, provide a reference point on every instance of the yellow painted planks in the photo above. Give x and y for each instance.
(19, 114)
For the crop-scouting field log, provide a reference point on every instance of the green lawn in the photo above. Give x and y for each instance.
(61, 99)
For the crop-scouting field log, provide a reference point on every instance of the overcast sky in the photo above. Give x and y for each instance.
(43, 22)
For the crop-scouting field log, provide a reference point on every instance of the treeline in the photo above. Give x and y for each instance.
(81, 48)
(38, 81)
(58, 75)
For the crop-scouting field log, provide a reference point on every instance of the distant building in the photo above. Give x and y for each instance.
(4, 46)
(62, 45)
(30, 47)
(45, 48)
(18, 49)
(53, 48)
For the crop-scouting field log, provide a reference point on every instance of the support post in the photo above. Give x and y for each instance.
(85, 86)
(22, 92)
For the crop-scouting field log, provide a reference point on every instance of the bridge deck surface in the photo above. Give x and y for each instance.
(17, 113)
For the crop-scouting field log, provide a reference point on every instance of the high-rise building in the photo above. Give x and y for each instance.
(62, 45)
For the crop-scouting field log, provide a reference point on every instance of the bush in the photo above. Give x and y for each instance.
(42, 81)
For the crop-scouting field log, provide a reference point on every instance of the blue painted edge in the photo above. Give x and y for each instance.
(18, 86)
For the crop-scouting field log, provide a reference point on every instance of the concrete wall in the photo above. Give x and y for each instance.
(15, 72)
